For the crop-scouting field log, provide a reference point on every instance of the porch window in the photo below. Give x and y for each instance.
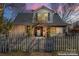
(52, 31)
(56, 31)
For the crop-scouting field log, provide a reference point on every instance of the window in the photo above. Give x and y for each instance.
(42, 17)
(56, 31)
(52, 31)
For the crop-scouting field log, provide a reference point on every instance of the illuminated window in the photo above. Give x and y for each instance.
(42, 17)
(52, 31)
(55, 31)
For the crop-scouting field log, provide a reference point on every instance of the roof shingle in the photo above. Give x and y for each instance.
(57, 20)
(24, 18)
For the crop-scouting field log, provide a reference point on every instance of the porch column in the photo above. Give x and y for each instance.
(48, 31)
(29, 30)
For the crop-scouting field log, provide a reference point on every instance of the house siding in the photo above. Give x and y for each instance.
(18, 30)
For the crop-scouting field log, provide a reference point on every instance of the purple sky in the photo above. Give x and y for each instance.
(34, 6)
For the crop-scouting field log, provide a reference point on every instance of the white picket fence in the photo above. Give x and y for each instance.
(24, 43)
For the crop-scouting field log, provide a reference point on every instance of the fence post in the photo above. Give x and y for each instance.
(38, 44)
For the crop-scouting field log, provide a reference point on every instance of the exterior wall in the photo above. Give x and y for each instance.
(21, 29)
(17, 30)
(54, 31)
(50, 14)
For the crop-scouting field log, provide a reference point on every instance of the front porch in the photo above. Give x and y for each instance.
(43, 30)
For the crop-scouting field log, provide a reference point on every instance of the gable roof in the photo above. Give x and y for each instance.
(26, 18)
(44, 7)
(23, 18)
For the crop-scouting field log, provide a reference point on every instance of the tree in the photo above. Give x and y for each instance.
(8, 26)
(1, 25)
(5, 26)
(70, 12)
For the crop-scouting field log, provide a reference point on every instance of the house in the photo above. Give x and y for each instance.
(42, 22)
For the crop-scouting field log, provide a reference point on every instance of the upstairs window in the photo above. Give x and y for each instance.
(42, 17)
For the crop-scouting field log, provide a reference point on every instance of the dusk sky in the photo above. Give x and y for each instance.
(11, 10)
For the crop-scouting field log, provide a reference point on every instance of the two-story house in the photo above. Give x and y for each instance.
(42, 22)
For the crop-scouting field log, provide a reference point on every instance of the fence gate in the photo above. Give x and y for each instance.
(36, 44)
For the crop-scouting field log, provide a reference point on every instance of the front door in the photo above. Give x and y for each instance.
(38, 32)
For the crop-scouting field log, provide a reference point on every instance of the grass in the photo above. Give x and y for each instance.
(21, 53)
(31, 53)
(18, 53)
